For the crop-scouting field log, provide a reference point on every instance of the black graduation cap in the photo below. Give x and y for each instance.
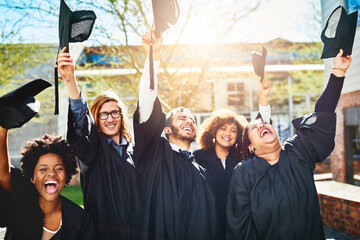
(73, 27)
(339, 33)
(165, 12)
(258, 61)
(19, 106)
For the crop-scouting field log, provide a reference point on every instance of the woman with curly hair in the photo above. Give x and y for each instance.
(220, 142)
(272, 194)
(31, 205)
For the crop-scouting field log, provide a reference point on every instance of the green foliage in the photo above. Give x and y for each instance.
(14, 59)
(305, 84)
(74, 193)
(21, 63)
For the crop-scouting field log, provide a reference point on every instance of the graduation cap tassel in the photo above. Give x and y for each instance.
(151, 68)
(56, 82)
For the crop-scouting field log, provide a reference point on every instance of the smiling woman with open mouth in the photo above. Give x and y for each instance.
(31, 204)
(272, 194)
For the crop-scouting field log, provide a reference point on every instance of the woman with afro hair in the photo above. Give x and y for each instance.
(220, 139)
(31, 206)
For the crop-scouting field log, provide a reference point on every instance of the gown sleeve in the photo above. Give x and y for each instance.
(5, 206)
(238, 212)
(315, 133)
(9, 211)
(265, 113)
(84, 145)
(89, 228)
(148, 120)
(148, 135)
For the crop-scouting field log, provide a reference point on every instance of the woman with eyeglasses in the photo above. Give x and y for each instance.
(101, 139)
(272, 194)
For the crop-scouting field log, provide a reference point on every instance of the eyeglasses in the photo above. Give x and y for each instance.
(105, 115)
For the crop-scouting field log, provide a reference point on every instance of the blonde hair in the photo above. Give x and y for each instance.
(108, 96)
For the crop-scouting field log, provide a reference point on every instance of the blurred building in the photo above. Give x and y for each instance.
(203, 78)
(213, 77)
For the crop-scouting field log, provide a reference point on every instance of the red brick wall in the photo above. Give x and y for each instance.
(337, 157)
(340, 214)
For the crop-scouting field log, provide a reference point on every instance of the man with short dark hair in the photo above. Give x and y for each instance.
(178, 201)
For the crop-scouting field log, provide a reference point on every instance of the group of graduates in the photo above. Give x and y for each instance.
(241, 184)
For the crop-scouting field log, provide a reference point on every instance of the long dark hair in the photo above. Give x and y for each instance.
(245, 153)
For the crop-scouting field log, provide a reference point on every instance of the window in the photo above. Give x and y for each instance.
(236, 94)
(355, 142)
(352, 120)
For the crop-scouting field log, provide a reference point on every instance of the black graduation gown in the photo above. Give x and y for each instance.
(280, 201)
(21, 214)
(178, 201)
(220, 180)
(108, 180)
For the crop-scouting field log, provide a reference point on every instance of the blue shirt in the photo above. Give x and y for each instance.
(78, 108)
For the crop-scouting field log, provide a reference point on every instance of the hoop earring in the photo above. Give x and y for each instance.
(251, 150)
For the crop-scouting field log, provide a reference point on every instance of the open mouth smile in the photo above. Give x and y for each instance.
(110, 126)
(226, 139)
(51, 186)
(188, 129)
(264, 132)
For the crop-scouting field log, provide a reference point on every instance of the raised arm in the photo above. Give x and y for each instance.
(149, 118)
(5, 172)
(264, 107)
(316, 132)
(329, 98)
(66, 69)
(147, 96)
(77, 103)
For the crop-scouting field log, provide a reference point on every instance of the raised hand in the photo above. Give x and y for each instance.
(264, 92)
(341, 64)
(66, 66)
(147, 39)
(66, 69)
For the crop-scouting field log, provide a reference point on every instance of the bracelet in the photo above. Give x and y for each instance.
(342, 69)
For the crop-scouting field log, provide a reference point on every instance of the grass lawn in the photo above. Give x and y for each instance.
(73, 193)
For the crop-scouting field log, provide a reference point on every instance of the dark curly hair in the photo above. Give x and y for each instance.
(211, 125)
(245, 153)
(47, 144)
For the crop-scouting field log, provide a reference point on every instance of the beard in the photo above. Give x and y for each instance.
(175, 133)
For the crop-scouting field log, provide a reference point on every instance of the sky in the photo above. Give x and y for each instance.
(297, 21)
